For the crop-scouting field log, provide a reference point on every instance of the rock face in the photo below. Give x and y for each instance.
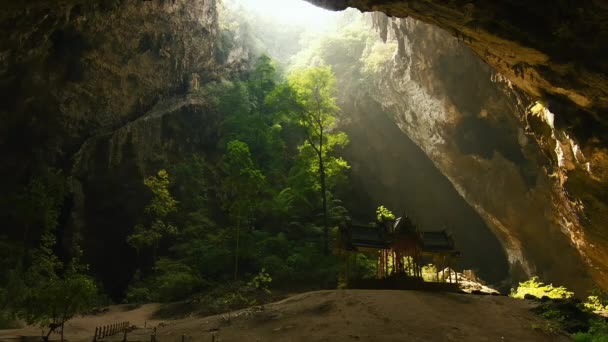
(507, 159)
(108, 171)
(549, 50)
(552, 53)
(388, 168)
(97, 89)
(100, 65)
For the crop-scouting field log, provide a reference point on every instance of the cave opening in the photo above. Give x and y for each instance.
(210, 155)
(387, 166)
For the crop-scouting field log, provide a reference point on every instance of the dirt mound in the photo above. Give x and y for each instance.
(340, 315)
(372, 315)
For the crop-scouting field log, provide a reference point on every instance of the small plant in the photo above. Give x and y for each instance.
(261, 281)
(598, 332)
(554, 315)
(593, 303)
(539, 289)
(383, 214)
(596, 301)
(429, 272)
(549, 327)
(236, 299)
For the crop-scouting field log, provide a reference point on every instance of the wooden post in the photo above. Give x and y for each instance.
(124, 336)
(443, 268)
(183, 338)
(95, 336)
(450, 271)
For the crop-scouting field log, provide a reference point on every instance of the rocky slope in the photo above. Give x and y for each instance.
(505, 157)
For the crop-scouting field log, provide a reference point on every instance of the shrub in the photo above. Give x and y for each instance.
(278, 268)
(594, 303)
(138, 295)
(597, 333)
(174, 281)
(429, 272)
(383, 214)
(597, 300)
(261, 281)
(539, 289)
(171, 281)
(8, 321)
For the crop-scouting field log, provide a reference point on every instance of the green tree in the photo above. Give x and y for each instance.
(51, 292)
(242, 187)
(250, 119)
(38, 286)
(157, 211)
(262, 80)
(310, 97)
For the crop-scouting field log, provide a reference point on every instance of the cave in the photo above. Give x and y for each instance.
(483, 119)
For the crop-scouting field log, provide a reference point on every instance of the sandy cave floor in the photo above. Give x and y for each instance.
(334, 315)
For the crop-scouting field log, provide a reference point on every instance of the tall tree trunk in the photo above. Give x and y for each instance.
(323, 192)
(46, 338)
(236, 252)
(324, 199)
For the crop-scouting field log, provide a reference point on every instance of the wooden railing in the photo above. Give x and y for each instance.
(110, 330)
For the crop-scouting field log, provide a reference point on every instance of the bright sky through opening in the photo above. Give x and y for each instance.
(292, 12)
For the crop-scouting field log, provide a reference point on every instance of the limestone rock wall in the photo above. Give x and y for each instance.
(504, 155)
(101, 90)
(550, 50)
(103, 63)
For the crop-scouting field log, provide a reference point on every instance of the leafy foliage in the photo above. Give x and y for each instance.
(36, 285)
(171, 281)
(261, 281)
(598, 332)
(253, 207)
(597, 300)
(383, 214)
(161, 205)
(50, 291)
(309, 97)
(429, 272)
(539, 289)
